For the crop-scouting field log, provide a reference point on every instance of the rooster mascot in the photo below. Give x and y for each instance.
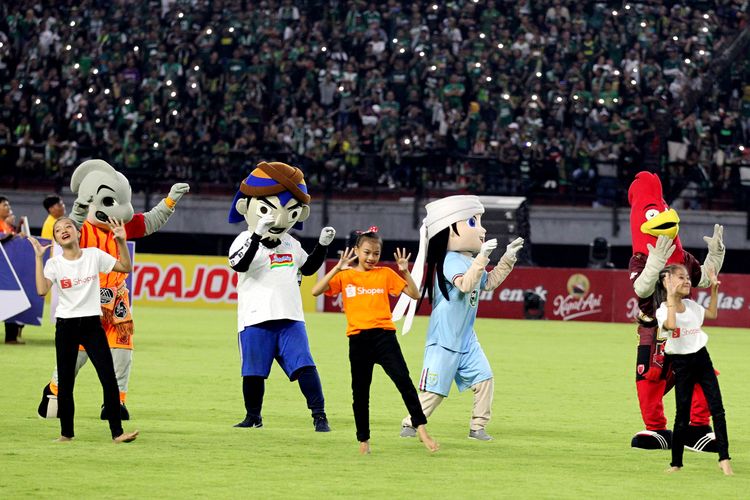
(654, 227)
(104, 193)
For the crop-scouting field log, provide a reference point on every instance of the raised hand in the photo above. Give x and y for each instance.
(117, 228)
(177, 190)
(327, 234)
(713, 277)
(512, 249)
(265, 223)
(402, 259)
(663, 250)
(670, 284)
(347, 257)
(716, 241)
(488, 247)
(38, 248)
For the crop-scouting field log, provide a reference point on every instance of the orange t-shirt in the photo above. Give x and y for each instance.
(365, 297)
(6, 228)
(92, 236)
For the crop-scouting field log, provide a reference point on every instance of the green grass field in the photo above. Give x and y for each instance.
(564, 412)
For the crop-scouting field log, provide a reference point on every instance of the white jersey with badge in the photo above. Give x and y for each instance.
(78, 282)
(269, 289)
(688, 336)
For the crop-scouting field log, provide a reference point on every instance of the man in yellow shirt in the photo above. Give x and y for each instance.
(56, 209)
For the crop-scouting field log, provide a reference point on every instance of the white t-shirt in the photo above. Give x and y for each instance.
(269, 289)
(688, 336)
(77, 282)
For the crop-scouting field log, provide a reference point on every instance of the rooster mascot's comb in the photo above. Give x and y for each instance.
(650, 216)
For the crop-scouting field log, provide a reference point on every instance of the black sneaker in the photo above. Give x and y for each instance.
(321, 423)
(124, 413)
(249, 421)
(44, 409)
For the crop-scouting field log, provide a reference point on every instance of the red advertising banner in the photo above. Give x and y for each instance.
(589, 295)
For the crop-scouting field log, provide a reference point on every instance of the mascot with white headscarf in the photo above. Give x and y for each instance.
(102, 194)
(270, 322)
(452, 244)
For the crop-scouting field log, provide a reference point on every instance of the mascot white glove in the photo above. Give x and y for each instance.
(716, 242)
(327, 234)
(511, 250)
(657, 259)
(265, 223)
(715, 258)
(488, 247)
(177, 190)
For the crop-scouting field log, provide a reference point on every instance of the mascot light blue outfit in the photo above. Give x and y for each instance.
(272, 200)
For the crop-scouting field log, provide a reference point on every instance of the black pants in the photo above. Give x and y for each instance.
(378, 346)
(12, 331)
(691, 369)
(88, 332)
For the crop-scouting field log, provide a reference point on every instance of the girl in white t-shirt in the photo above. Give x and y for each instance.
(680, 320)
(76, 274)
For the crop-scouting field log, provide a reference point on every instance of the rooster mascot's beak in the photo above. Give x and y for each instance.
(666, 223)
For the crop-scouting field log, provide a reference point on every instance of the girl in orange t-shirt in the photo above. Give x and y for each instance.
(372, 335)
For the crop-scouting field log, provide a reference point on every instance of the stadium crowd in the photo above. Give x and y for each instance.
(510, 97)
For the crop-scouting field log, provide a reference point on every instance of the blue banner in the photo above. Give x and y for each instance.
(22, 259)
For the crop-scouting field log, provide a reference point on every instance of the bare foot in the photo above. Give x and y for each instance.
(364, 447)
(63, 439)
(126, 437)
(429, 443)
(725, 467)
(673, 469)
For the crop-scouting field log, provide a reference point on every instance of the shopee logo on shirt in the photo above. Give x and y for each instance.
(71, 282)
(352, 291)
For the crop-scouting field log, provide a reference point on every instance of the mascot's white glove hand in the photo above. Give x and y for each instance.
(716, 242)
(264, 224)
(662, 251)
(511, 250)
(327, 234)
(657, 258)
(488, 247)
(177, 191)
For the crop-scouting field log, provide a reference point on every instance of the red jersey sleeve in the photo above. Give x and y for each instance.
(136, 228)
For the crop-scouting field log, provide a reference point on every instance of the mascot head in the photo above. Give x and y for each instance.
(272, 188)
(650, 216)
(451, 224)
(106, 192)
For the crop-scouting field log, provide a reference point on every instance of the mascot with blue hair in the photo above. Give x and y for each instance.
(272, 200)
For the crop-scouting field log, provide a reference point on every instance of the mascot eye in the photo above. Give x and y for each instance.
(472, 222)
(294, 214)
(108, 201)
(650, 214)
(263, 210)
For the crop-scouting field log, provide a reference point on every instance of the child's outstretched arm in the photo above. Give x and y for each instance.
(123, 264)
(712, 311)
(42, 284)
(347, 257)
(402, 259)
